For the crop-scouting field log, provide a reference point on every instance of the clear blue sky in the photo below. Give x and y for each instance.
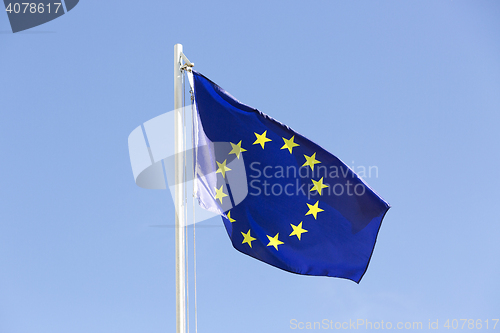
(411, 87)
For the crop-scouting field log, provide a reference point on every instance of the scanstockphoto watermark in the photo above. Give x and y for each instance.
(291, 180)
(328, 324)
(430, 324)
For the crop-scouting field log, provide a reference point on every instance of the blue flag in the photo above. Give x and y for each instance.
(283, 199)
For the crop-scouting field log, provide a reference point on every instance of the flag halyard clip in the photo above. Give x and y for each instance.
(187, 64)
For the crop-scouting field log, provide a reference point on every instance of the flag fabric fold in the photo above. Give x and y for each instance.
(303, 209)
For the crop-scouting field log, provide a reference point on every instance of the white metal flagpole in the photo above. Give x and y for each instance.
(180, 268)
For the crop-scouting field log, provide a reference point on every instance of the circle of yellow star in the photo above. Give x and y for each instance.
(220, 193)
(247, 238)
(274, 241)
(229, 217)
(297, 230)
(261, 139)
(314, 209)
(311, 160)
(236, 149)
(222, 168)
(318, 185)
(289, 144)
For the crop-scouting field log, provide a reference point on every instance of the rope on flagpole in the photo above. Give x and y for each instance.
(187, 67)
(184, 184)
(194, 150)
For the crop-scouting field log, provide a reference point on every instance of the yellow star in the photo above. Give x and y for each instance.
(297, 230)
(261, 138)
(237, 150)
(222, 168)
(311, 160)
(318, 185)
(274, 241)
(289, 144)
(247, 238)
(229, 217)
(220, 193)
(314, 209)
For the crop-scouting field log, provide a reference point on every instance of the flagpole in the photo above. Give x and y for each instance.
(180, 268)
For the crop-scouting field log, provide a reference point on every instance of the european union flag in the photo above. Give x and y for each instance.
(303, 209)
